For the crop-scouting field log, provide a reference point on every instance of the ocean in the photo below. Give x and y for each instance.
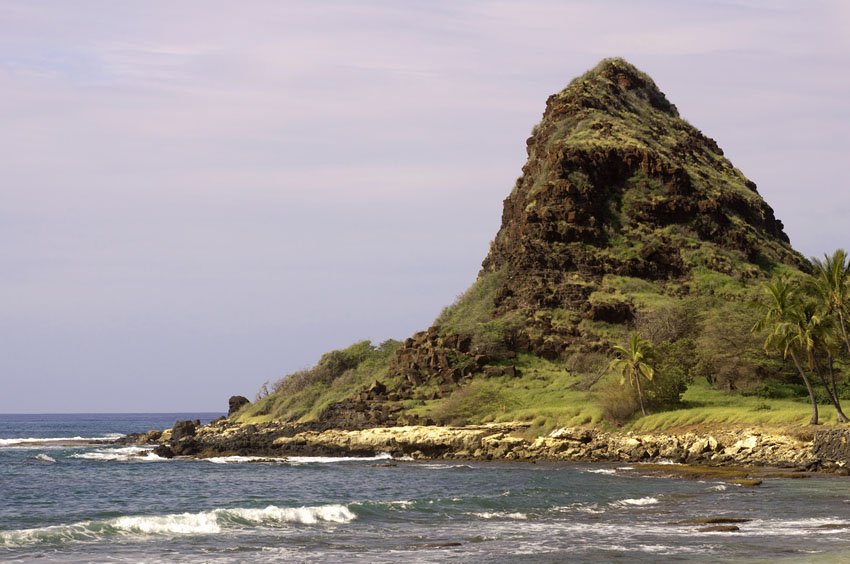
(62, 501)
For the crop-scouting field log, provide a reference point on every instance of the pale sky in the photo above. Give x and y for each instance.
(197, 197)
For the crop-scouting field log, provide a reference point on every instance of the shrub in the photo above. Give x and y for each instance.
(673, 362)
(619, 403)
(669, 323)
(778, 390)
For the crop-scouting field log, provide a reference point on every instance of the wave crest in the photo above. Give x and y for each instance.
(639, 501)
(204, 522)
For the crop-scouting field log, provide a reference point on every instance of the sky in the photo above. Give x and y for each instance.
(198, 196)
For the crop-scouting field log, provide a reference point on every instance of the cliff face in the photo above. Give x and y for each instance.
(617, 184)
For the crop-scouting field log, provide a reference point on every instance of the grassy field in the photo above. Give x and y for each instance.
(706, 407)
(546, 395)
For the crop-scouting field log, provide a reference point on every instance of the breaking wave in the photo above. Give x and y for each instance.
(125, 454)
(639, 501)
(501, 515)
(332, 459)
(297, 460)
(58, 441)
(202, 523)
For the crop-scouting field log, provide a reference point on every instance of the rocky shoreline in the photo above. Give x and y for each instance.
(824, 450)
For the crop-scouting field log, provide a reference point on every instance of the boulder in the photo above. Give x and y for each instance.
(164, 451)
(186, 446)
(720, 529)
(235, 403)
(377, 389)
(184, 428)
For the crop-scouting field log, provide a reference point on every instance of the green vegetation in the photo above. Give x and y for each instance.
(704, 406)
(472, 308)
(339, 374)
(805, 319)
(544, 394)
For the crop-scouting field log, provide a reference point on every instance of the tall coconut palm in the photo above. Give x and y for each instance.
(632, 365)
(831, 282)
(781, 316)
(815, 335)
(812, 334)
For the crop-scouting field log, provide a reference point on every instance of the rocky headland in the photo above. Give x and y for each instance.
(626, 219)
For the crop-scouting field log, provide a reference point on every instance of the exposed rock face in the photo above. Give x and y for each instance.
(445, 360)
(833, 445)
(617, 183)
(183, 429)
(235, 403)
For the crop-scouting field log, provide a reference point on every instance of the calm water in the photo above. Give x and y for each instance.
(104, 503)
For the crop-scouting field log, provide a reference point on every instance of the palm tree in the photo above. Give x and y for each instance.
(814, 335)
(782, 316)
(831, 282)
(632, 366)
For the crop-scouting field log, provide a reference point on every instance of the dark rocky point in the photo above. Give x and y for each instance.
(235, 403)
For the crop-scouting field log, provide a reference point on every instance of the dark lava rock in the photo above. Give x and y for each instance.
(235, 403)
(612, 312)
(164, 451)
(716, 521)
(186, 446)
(184, 428)
(377, 389)
(720, 529)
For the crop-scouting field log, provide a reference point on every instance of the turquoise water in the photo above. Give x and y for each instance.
(100, 502)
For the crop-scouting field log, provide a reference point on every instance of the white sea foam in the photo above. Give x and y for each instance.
(579, 507)
(606, 471)
(639, 501)
(800, 527)
(333, 459)
(297, 460)
(401, 504)
(178, 524)
(306, 515)
(41, 457)
(40, 441)
(718, 488)
(444, 466)
(124, 454)
(204, 522)
(501, 515)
